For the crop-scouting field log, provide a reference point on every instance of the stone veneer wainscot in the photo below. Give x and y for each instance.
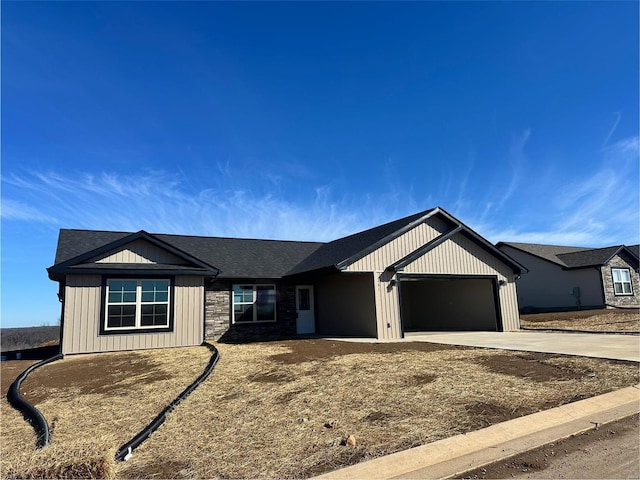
(218, 325)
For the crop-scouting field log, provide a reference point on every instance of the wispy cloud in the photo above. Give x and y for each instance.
(613, 128)
(593, 209)
(597, 209)
(517, 160)
(14, 210)
(160, 202)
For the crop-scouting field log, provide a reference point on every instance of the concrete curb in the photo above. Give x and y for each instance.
(456, 455)
(564, 330)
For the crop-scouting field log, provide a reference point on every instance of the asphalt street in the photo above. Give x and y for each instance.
(612, 451)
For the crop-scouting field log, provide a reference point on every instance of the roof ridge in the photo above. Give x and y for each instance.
(235, 238)
(546, 245)
(382, 226)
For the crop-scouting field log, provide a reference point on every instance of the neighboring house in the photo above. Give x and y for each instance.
(571, 278)
(428, 271)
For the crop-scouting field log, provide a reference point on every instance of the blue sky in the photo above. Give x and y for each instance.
(310, 121)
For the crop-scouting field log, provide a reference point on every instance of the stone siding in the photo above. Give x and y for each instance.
(625, 301)
(218, 323)
(217, 311)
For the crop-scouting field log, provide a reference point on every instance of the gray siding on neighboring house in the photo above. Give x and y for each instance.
(218, 318)
(82, 317)
(624, 301)
(345, 305)
(548, 286)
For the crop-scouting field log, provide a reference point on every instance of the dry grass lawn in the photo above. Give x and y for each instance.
(281, 409)
(605, 320)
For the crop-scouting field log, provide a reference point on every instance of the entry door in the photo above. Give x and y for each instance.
(306, 322)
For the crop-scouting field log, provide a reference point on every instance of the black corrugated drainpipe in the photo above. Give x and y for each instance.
(30, 413)
(125, 451)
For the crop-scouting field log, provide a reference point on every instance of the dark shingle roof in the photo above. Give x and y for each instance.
(72, 243)
(547, 252)
(239, 257)
(250, 258)
(588, 258)
(571, 257)
(333, 253)
(234, 257)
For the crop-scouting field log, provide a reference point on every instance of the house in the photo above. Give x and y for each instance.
(572, 278)
(428, 271)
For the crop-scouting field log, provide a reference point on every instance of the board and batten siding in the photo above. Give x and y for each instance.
(396, 249)
(82, 317)
(456, 256)
(140, 251)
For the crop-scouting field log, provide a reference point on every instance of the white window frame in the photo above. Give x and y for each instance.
(253, 302)
(621, 273)
(138, 303)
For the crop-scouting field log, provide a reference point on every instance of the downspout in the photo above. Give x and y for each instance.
(61, 289)
(603, 293)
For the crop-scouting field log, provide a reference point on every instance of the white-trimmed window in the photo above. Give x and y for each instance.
(133, 304)
(254, 303)
(622, 281)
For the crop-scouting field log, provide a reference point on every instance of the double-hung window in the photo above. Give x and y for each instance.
(133, 304)
(621, 281)
(254, 303)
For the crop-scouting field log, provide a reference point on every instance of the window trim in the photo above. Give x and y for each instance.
(104, 330)
(255, 311)
(622, 282)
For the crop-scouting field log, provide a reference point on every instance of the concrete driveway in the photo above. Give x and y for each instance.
(617, 347)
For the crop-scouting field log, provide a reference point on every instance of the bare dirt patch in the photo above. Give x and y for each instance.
(98, 374)
(285, 409)
(300, 351)
(539, 367)
(604, 320)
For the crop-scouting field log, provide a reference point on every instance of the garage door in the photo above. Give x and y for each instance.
(449, 304)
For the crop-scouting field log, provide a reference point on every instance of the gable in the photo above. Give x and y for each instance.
(459, 255)
(115, 252)
(399, 247)
(346, 251)
(139, 251)
(624, 258)
(433, 231)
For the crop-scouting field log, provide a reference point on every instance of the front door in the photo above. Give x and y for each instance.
(306, 322)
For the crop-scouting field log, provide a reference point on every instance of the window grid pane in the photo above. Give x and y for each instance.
(134, 304)
(155, 290)
(121, 316)
(243, 313)
(621, 281)
(254, 303)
